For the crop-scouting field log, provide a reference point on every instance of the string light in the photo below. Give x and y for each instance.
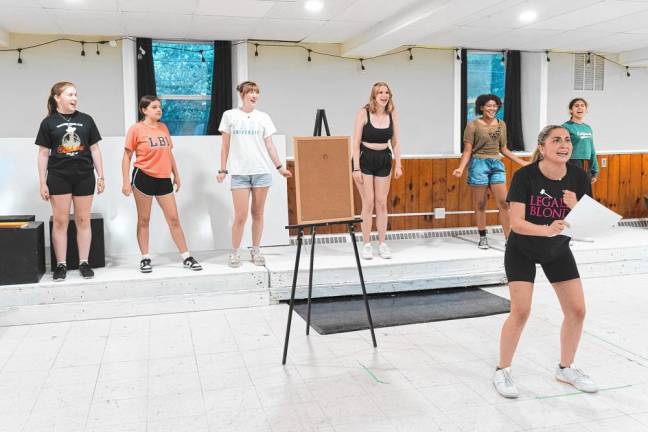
(141, 52)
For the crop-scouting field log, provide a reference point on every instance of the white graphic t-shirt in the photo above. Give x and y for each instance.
(247, 153)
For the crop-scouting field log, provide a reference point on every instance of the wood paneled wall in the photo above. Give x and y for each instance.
(429, 183)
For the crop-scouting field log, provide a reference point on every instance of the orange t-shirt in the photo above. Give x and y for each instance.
(152, 146)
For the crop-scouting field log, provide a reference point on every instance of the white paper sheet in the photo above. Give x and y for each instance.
(589, 218)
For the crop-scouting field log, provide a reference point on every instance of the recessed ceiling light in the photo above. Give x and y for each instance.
(314, 6)
(528, 16)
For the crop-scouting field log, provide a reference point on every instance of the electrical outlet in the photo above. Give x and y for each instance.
(439, 213)
(603, 162)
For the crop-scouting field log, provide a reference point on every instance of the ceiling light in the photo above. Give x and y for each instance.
(314, 6)
(528, 16)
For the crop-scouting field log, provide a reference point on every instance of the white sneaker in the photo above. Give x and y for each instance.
(256, 257)
(504, 384)
(577, 378)
(367, 251)
(384, 251)
(234, 260)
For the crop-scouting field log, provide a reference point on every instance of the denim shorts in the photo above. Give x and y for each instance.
(251, 181)
(484, 172)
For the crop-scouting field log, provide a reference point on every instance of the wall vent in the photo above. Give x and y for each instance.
(589, 75)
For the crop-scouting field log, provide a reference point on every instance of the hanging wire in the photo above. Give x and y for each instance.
(200, 52)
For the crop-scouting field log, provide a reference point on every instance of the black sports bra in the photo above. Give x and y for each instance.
(373, 135)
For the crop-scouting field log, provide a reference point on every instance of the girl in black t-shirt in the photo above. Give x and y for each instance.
(540, 196)
(68, 154)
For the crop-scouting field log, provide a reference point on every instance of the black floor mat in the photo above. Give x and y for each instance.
(345, 314)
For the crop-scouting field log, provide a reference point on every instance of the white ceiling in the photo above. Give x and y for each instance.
(363, 27)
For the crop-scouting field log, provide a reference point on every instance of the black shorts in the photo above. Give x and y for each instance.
(377, 163)
(77, 185)
(521, 266)
(151, 186)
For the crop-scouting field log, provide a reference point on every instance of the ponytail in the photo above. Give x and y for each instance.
(56, 90)
(542, 137)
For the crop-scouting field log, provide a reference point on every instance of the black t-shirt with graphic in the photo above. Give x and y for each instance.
(69, 138)
(543, 200)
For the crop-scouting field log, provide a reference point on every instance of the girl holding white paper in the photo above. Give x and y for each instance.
(540, 196)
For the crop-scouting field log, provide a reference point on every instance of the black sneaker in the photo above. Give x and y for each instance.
(483, 243)
(85, 270)
(60, 272)
(145, 265)
(192, 264)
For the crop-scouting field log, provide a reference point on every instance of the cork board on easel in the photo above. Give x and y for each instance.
(324, 188)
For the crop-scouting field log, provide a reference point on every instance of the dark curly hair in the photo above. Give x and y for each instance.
(484, 99)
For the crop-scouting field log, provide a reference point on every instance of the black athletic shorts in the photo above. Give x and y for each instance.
(520, 266)
(151, 186)
(377, 163)
(71, 184)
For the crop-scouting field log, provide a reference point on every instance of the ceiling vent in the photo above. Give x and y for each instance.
(589, 72)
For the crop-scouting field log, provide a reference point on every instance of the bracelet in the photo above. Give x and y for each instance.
(100, 178)
(222, 171)
(357, 169)
(279, 167)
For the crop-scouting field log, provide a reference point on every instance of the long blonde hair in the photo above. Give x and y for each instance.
(373, 105)
(542, 137)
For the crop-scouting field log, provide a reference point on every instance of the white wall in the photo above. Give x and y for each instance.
(26, 86)
(616, 114)
(292, 89)
(205, 206)
(534, 96)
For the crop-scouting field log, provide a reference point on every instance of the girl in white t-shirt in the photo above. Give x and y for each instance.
(247, 141)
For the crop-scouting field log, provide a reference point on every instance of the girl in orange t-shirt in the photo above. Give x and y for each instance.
(151, 142)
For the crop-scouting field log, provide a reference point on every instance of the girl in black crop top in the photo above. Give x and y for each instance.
(376, 127)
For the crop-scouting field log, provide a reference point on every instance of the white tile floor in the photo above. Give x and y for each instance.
(221, 371)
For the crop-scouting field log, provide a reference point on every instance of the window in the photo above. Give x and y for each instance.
(183, 78)
(486, 74)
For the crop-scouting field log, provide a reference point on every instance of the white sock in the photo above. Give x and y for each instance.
(234, 251)
(146, 256)
(185, 255)
(83, 261)
(61, 262)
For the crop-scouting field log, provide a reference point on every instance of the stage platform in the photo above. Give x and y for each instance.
(423, 260)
